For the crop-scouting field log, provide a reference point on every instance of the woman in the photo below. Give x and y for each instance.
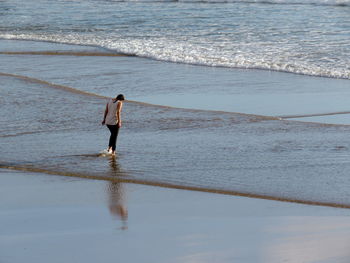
(113, 120)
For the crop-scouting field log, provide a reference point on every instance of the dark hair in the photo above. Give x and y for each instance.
(120, 97)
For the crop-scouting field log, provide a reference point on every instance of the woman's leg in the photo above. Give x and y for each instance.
(114, 129)
(110, 143)
(115, 136)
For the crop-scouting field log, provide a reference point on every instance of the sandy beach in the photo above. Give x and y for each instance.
(54, 218)
(181, 186)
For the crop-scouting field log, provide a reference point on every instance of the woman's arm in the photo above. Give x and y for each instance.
(118, 113)
(105, 115)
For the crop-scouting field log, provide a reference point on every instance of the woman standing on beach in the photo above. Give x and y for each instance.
(113, 120)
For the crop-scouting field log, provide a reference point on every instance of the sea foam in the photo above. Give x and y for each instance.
(250, 56)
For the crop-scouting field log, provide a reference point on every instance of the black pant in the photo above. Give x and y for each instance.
(114, 129)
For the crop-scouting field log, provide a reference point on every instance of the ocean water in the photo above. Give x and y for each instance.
(216, 120)
(299, 36)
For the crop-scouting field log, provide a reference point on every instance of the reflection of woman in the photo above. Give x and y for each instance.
(113, 120)
(116, 195)
(116, 202)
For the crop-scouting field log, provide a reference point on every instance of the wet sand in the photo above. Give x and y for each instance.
(47, 218)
